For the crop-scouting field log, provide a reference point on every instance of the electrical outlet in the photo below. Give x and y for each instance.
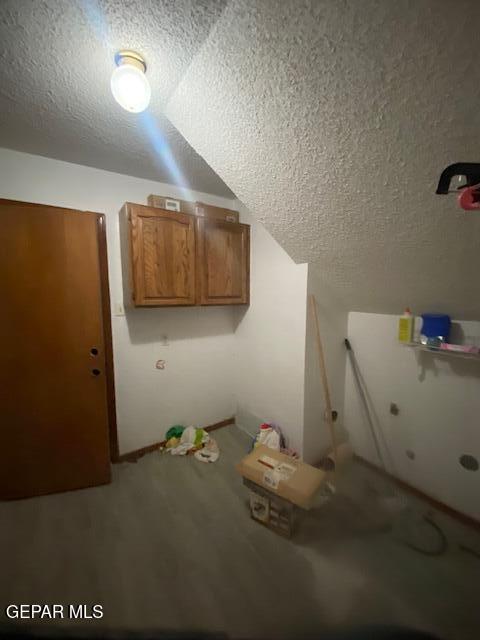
(394, 410)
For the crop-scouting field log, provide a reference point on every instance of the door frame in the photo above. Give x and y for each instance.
(107, 336)
(106, 317)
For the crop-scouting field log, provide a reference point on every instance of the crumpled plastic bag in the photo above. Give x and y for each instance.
(191, 439)
(209, 453)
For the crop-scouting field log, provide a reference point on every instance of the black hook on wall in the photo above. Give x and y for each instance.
(471, 171)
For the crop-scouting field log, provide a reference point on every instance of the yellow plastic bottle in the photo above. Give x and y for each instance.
(405, 327)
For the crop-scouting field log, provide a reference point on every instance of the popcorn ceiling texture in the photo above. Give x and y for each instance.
(331, 121)
(56, 59)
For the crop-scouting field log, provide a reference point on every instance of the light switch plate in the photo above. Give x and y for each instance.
(118, 309)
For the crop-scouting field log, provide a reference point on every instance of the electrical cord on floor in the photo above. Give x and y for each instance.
(469, 550)
(443, 543)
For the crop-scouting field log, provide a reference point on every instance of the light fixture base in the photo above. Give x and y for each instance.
(125, 56)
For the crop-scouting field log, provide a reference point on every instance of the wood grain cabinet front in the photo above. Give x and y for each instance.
(171, 258)
(223, 262)
(161, 256)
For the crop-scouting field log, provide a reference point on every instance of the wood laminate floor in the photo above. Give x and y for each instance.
(170, 545)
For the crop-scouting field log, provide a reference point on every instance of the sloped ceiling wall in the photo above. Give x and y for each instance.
(331, 121)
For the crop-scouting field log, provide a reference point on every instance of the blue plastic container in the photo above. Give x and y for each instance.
(436, 325)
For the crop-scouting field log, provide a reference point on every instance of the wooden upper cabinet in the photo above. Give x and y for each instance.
(223, 262)
(162, 256)
(171, 258)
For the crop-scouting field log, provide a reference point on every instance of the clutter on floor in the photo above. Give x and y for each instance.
(271, 435)
(278, 483)
(184, 529)
(276, 513)
(181, 441)
(209, 452)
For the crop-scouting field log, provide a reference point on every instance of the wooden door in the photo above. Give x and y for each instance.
(223, 262)
(162, 256)
(54, 415)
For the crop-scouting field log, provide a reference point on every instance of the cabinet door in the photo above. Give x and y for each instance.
(223, 262)
(162, 256)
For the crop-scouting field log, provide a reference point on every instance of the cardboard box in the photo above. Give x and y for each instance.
(215, 213)
(199, 209)
(163, 203)
(283, 476)
(270, 510)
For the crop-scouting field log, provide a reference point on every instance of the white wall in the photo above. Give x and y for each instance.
(332, 318)
(439, 401)
(270, 340)
(196, 387)
(220, 360)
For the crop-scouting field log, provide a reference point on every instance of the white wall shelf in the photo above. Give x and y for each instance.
(442, 352)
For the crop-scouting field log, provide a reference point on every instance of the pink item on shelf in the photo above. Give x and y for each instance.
(460, 348)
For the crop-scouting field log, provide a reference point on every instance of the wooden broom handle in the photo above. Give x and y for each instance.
(323, 376)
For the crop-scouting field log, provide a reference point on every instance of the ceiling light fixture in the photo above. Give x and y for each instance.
(129, 84)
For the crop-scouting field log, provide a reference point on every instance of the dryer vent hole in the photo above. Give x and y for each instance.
(469, 462)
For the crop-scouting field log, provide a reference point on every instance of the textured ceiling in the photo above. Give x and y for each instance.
(56, 59)
(332, 121)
